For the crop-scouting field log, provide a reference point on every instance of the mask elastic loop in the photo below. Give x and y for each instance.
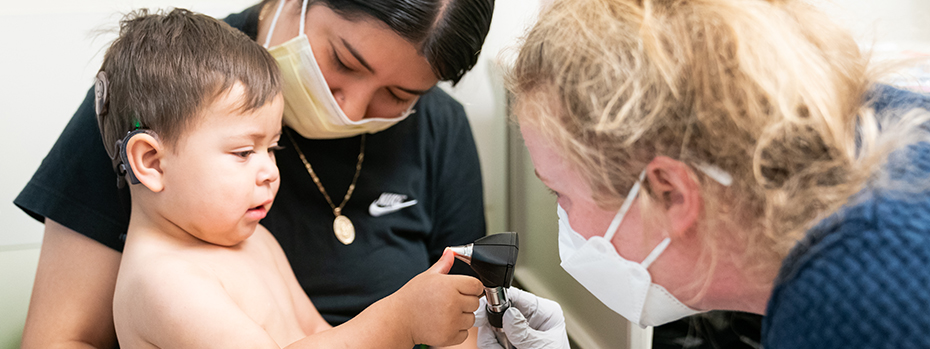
(303, 17)
(715, 173)
(655, 253)
(274, 22)
(615, 224)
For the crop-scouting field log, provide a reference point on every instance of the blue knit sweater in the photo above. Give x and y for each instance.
(861, 278)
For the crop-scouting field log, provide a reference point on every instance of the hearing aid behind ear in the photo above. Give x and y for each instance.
(117, 152)
(124, 170)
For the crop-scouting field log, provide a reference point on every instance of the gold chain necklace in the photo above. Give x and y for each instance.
(342, 226)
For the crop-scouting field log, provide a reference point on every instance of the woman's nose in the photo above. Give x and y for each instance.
(354, 103)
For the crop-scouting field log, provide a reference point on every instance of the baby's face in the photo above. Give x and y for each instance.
(221, 177)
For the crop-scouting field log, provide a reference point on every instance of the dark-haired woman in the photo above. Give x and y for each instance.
(379, 174)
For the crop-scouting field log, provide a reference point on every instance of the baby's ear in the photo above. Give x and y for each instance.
(144, 155)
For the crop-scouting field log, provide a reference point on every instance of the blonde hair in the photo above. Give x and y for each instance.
(770, 91)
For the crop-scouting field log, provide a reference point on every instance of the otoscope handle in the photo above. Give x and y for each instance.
(495, 318)
(497, 305)
(502, 339)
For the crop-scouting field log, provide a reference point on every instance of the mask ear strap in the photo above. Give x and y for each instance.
(274, 22)
(656, 252)
(303, 16)
(615, 224)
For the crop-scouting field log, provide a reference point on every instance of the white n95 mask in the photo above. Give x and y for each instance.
(309, 105)
(623, 285)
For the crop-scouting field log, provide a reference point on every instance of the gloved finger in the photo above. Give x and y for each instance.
(541, 313)
(548, 315)
(486, 337)
(481, 315)
(523, 300)
(516, 327)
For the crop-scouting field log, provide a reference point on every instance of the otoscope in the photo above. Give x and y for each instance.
(493, 258)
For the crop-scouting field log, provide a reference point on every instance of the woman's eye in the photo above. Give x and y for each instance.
(396, 99)
(339, 65)
(553, 192)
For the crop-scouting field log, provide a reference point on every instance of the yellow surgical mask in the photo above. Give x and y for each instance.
(309, 105)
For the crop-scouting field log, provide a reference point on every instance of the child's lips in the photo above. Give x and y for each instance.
(257, 212)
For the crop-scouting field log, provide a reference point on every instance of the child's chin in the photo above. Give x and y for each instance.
(237, 237)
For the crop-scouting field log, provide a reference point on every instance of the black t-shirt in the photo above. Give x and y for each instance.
(429, 157)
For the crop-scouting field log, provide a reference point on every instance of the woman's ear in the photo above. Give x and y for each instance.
(144, 154)
(676, 192)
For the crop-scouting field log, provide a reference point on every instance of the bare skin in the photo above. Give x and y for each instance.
(173, 293)
(73, 289)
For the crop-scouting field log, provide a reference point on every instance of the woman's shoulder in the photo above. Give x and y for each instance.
(860, 275)
(438, 101)
(441, 113)
(246, 21)
(885, 97)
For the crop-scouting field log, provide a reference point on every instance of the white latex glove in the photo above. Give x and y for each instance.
(531, 322)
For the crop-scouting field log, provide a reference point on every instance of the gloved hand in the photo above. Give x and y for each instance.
(530, 322)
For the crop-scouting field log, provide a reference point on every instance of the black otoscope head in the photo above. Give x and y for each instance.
(493, 258)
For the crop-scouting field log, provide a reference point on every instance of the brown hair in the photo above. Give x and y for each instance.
(164, 68)
(770, 91)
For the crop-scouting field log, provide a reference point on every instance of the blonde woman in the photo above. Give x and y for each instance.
(729, 154)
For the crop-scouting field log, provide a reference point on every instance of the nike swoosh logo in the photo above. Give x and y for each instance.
(389, 203)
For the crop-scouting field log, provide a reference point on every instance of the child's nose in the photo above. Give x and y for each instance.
(268, 173)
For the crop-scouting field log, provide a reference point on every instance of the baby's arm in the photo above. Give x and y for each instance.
(432, 308)
(385, 318)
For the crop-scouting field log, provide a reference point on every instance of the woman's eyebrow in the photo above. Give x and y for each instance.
(413, 92)
(367, 66)
(357, 55)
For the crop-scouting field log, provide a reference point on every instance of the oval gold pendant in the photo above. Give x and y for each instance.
(344, 229)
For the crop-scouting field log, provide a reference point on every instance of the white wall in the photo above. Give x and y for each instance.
(900, 22)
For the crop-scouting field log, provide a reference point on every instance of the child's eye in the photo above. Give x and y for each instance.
(275, 148)
(244, 154)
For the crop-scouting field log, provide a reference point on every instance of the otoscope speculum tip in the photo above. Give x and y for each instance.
(463, 252)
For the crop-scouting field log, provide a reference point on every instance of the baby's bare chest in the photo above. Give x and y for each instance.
(254, 281)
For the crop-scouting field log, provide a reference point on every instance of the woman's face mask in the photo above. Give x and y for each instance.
(310, 106)
(624, 286)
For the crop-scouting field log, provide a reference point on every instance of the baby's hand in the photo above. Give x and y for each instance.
(440, 306)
